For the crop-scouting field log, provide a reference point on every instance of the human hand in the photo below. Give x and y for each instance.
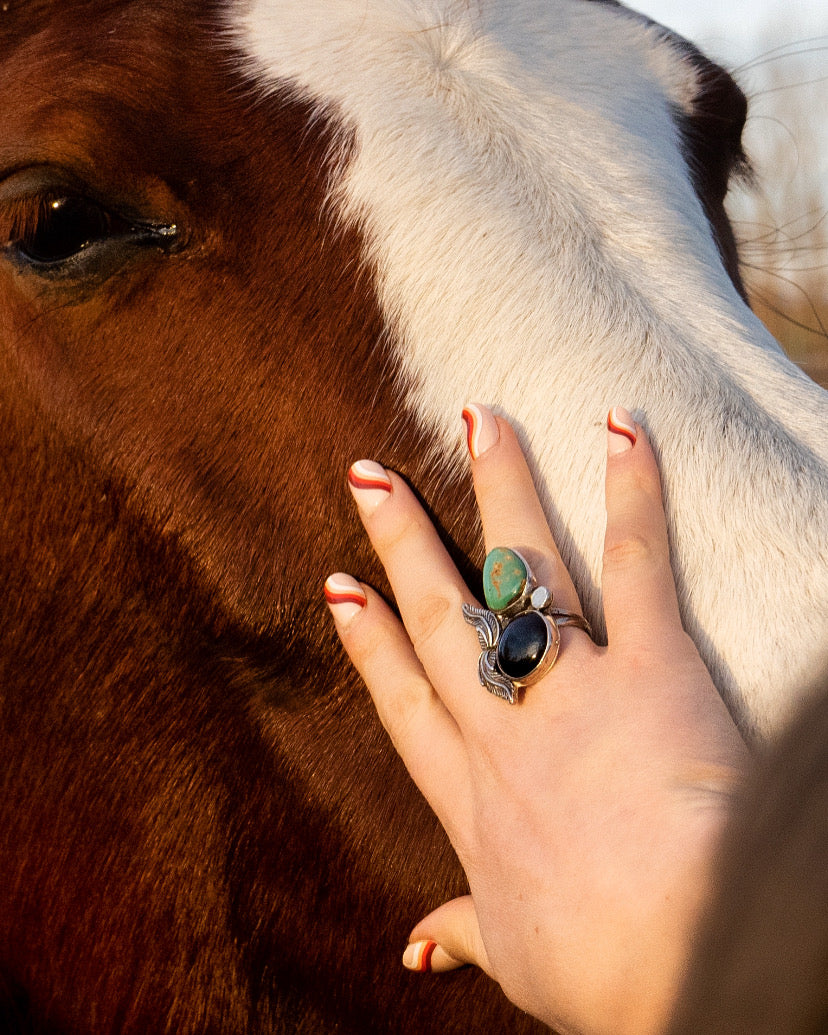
(585, 817)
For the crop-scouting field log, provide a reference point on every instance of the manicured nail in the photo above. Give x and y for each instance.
(622, 434)
(424, 957)
(417, 956)
(370, 485)
(345, 597)
(428, 957)
(482, 431)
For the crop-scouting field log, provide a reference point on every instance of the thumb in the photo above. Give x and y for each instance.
(447, 939)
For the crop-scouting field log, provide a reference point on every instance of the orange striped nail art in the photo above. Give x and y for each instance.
(482, 431)
(621, 426)
(345, 597)
(418, 955)
(370, 485)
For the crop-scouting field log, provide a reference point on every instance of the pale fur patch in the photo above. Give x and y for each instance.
(537, 245)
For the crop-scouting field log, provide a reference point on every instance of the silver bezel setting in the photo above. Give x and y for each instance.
(491, 624)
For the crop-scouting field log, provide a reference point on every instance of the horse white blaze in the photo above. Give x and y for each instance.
(538, 245)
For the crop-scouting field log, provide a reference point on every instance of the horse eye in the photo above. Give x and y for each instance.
(66, 226)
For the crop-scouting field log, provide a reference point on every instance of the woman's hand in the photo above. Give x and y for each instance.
(586, 816)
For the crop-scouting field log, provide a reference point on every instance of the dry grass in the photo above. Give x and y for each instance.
(781, 218)
(793, 324)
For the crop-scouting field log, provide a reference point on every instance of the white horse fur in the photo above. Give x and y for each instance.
(538, 246)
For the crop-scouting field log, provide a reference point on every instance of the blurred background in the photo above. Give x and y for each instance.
(778, 53)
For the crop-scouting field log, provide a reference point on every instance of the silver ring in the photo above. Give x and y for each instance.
(519, 631)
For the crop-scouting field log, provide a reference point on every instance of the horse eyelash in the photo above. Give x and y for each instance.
(22, 217)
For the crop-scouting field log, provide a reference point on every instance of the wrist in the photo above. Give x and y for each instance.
(646, 998)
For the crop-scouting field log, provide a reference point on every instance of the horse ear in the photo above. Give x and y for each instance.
(711, 128)
(710, 110)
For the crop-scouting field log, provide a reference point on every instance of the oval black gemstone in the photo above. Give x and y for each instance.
(522, 644)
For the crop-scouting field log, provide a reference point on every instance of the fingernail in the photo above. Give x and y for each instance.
(345, 597)
(370, 485)
(622, 434)
(427, 957)
(482, 431)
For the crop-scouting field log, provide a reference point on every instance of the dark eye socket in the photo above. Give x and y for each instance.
(65, 226)
(66, 233)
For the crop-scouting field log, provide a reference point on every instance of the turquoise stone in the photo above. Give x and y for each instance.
(504, 578)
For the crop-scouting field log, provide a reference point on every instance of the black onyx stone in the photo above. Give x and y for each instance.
(521, 645)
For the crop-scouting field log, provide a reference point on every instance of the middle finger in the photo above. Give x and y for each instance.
(510, 511)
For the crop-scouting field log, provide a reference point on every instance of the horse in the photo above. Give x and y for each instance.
(247, 242)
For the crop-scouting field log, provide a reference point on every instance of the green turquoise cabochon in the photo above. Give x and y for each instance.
(504, 578)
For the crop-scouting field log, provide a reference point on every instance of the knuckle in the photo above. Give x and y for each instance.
(403, 720)
(366, 641)
(641, 482)
(393, 528)
(628, 551)
(429, 614)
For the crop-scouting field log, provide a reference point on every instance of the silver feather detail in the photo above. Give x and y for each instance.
(486, 624)
(493, 679)
(488, 632)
